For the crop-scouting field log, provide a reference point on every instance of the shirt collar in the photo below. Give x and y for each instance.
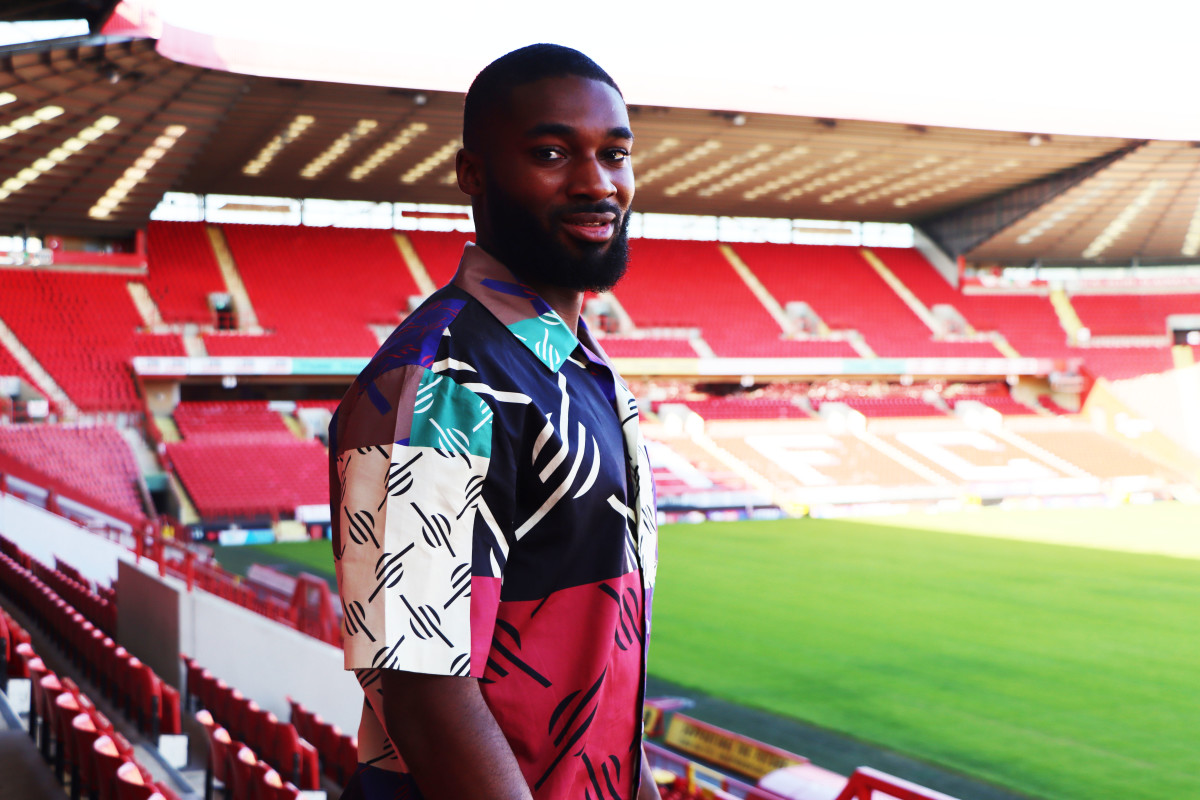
(522, 311)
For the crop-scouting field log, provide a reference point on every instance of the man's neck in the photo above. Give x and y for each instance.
(567, 303)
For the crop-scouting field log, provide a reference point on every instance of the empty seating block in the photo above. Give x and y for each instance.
(738, 407)
(845, 291)
(619, 347)
(898, 406)
(251, 477)
(228, 419)
(84, 330)
(95, 461)
(1116, 363)
(662, 290)
(1132, 314)
(439, 252)
(316, 290)
(1027, 321)
(183, 271)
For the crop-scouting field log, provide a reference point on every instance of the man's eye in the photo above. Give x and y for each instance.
(548, 153)
(619, 154)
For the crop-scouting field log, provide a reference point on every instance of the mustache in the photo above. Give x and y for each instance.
(602, 207)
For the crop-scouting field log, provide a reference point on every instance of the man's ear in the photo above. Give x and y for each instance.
(469, 168)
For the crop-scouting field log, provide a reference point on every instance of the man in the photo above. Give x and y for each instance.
(494, 517)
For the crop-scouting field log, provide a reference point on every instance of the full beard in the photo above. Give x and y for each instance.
(535, 255)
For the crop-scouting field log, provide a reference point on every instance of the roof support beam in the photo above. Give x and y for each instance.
(960, 231)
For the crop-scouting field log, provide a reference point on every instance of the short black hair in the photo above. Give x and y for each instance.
(526, 65)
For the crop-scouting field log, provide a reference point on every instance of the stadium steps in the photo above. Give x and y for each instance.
(1040, 453)
(1067, 316)
(167, 429)
(416, 266)
(193, 345)
(147, 464)
(911, 300)
(246, 316)
(702, 347)
(294, 426)
(757, 289)
(860, 346)
(187, 509)
(741, 469)
(1003, 346)
(899, 456)
(37, 372)
(1183, 356)
(146, 307)
(625, 323)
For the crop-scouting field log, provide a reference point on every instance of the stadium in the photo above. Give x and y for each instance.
(920, 393)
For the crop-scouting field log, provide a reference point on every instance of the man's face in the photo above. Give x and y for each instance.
(557, 183)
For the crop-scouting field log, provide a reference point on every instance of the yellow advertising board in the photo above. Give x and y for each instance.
(727, 749)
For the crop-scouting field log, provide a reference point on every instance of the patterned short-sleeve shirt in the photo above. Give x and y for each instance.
(493, 516)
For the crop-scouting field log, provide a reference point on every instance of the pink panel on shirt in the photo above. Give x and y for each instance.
(485, 599)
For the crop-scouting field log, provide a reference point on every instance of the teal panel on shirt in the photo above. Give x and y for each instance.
(450, 418)
(547, 338)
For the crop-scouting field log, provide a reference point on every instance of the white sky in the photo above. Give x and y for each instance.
(1038, 66)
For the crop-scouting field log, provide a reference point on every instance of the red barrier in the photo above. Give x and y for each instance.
(866, 781)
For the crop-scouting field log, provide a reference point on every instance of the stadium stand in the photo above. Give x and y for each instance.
(9, 366)
(84, 330)
(94, 460)
(889, 406)
(993, 395)
(1117, 363)
(741, 407)
(224, 708)
(251, 476)
(624, 347)
(1132, 314)
(54, 717)
(316, 290)
(238, 459)
(439, 252)
(182, 271)
(1099, 455)
(228, 419)
(733, 321)
(820, 274)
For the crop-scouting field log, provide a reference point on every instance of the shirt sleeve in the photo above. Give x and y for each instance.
(419, 559)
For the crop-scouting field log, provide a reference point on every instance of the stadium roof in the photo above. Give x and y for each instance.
(991, 195)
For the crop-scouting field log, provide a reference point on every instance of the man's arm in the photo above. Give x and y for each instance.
(449, 739)
(649, 789)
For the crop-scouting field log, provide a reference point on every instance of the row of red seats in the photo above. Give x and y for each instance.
(182, 271)
(88, 354)
(276, 742)
(338, 751)
(737, 407)
(94, 461)
(242, 479)
(120, 676)
(887, 406)
(74, 736)
(1132, 314)
(228, 418)
(238, 769)
(296, 275)
(100, 612)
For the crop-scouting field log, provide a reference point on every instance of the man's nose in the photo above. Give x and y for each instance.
(590, 179)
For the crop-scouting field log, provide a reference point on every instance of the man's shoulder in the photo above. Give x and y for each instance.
(449, 315)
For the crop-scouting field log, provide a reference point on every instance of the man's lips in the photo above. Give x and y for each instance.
(589, 226)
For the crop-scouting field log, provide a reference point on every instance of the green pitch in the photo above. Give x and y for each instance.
(1059, 672)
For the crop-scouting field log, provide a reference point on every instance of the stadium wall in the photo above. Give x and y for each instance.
(43, 535)
(264, 660)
